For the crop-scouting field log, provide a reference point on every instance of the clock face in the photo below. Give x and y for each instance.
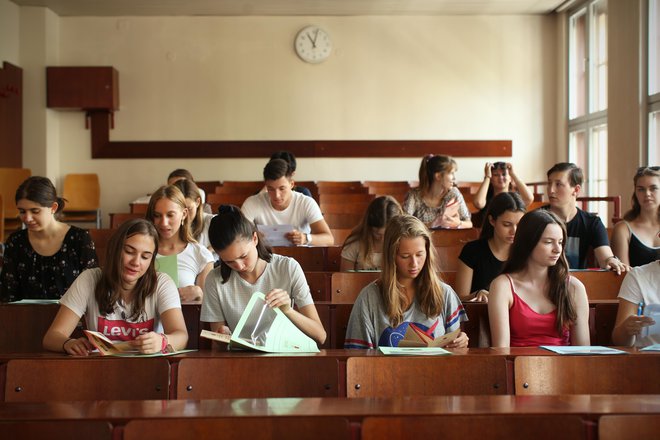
(313, 44)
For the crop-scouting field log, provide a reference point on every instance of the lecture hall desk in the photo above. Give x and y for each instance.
(215, 374)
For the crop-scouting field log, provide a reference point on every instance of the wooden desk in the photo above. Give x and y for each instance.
(616, 374)
(491, 427)
(23, 326)
(69, 378)
(231, 428)
(120, 412)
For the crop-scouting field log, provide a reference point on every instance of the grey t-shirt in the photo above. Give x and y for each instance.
(226, 302)
(369, 325)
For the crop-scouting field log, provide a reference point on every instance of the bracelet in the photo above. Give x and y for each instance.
(64, 343)
(610, 257)
(163, 347)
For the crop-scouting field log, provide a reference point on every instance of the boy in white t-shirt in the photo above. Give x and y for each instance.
(280, 205)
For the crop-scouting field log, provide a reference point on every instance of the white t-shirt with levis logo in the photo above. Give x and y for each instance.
(116, 325)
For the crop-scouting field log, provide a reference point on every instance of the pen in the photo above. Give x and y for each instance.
(640, 308)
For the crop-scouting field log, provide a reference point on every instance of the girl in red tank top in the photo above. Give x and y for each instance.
(535, 301)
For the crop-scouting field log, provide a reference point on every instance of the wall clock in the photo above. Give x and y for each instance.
(313, 44)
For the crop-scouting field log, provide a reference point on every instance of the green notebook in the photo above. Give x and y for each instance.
(168, 264)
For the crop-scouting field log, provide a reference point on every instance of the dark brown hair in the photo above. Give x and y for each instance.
(229, 225)
(433, 164)
(108, 290)
(529, 232)
(39, 190)
(277, 168)
(575, 174)
(633, 213)
(501, 203)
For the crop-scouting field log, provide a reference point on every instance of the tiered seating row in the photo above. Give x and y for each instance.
(484, 417)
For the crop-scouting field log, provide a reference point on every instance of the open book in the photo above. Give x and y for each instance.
(416, 337)
(451, 210)
(265, 329)
(120, 348)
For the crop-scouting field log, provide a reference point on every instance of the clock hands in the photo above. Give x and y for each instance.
(313, 40)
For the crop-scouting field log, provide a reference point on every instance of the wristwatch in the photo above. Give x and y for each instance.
(309, 238)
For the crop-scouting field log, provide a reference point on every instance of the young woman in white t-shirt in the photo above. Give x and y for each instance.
(168, 212)
(363, 247)
(248, 266)
(127, 300)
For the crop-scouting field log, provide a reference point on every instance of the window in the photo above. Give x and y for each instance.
(654, 83)
(587, 98)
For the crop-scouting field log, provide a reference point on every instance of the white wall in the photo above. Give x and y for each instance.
(452, 77)
(9, 50)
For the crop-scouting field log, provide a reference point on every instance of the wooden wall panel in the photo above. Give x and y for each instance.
(11, 116)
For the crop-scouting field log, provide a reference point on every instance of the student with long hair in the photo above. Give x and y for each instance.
(437, 202)
(280, 205)
(127, 300)
(248, 266)
(167, 210)
(535, 301)
(482, 260)
(499, 178)
(363, 247)
(636, 240)
(42, 260)
(199, 220)
(408, 293)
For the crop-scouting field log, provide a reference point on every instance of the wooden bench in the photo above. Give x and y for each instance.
(55, 429)
(629, 427)
(600, 284)
(384, 376)
(38, 380)
(346, 286)
(240, 428)
(490, 427)
(117, 218)
(454, 237)
(235, 376)
(615, 374)
(23, 326)
(101, 238)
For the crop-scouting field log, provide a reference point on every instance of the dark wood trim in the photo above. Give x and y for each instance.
(11, 116)
(103, 148)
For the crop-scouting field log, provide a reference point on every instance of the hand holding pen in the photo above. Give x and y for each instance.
(635, 323)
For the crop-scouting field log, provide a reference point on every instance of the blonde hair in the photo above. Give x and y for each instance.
(430, 292)
(174, 194)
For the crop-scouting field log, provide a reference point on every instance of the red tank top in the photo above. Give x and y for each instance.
(528, 328)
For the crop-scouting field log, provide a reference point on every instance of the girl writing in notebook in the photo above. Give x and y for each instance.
(535, 301)
(437, 202)
(482, 260)
(408, 296)
(167, 210)
(127, 300)
(363, 247)
(248, 266)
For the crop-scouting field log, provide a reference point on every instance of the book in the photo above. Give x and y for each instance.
(413, 351)
(582, 349)
(416, 337)
(654, 347)
(169, 264)
(266, 329)
(106, 347)
(450, 211)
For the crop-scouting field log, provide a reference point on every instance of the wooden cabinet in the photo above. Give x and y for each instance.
(84, 88)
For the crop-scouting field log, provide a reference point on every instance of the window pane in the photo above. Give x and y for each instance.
(577, 64)
(597, 172)
(654, 47)
(598, 76)
(577, 148)
(654, 138)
